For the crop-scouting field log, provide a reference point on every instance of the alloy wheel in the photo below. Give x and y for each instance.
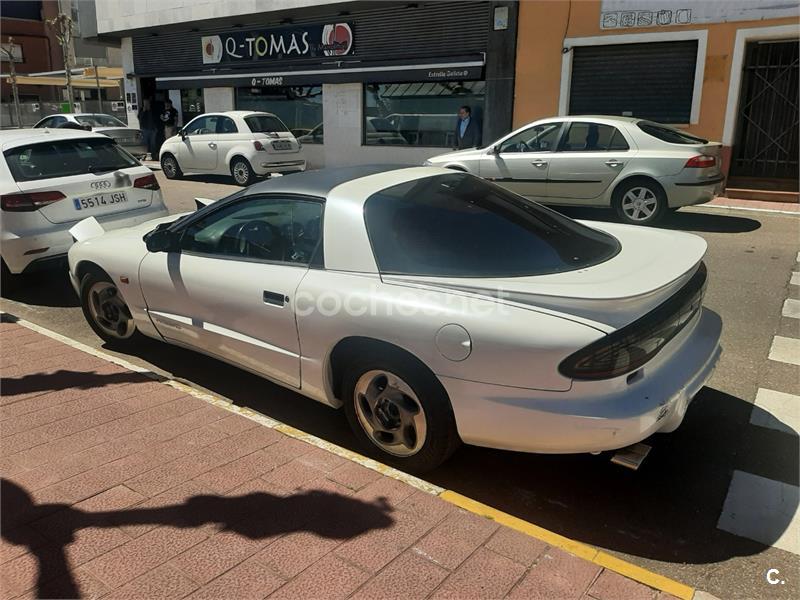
(109, 311)
(639, 204)
(241, 173)
(390, 413)
(170, 167)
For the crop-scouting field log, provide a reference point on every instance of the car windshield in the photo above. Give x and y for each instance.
(461, 226)
(669, 134)
(264, 124)
(64, 158)
(99, 121)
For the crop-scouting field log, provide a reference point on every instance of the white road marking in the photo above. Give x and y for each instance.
(776, 410)
(795, 280)
(785, 350)
(763, 510)
(791, 308)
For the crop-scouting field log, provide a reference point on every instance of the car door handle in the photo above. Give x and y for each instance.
(539, 163)
(275, 298)
(613, 163)
(212, 145)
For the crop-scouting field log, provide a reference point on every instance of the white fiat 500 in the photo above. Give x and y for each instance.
(240, 143)
(52, 178)
(639, 168)
(433, 306)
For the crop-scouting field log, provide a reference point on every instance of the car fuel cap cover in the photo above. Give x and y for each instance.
(453, 342)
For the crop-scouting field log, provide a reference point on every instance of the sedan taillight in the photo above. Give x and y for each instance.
(148, 182)
(29, 202)
(700, 162)
(629, 348)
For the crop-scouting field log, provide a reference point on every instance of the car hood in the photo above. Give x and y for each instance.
(651, 266)
(457, 155)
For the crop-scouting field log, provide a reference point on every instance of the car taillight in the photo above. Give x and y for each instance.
(29, 202)
(148, 182)
(629, 348)
(258, 145)
(700, 162)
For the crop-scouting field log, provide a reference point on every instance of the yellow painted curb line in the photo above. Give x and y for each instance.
(579, 549)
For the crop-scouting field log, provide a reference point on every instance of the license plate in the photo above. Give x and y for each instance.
(282, 145)
(99, 200)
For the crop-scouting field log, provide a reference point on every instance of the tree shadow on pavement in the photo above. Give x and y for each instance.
(257, 515)
(62, 380)
(681, 220)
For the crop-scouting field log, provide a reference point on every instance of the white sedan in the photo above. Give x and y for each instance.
(52, 178)
(243, 144)
(433, 306)
(639, 168)
(129, 138)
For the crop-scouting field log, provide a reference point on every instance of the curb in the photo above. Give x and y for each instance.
(579, 549)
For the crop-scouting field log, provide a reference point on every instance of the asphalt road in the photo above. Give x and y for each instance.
(664, 516)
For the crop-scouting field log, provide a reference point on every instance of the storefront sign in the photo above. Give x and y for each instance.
(261, 45)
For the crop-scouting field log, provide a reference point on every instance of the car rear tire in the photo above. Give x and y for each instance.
(170, 167)
(106, 311)
(242, 172)
(640, 202)
(399, 412)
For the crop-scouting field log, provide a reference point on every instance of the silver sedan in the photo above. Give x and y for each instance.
(129, 138)
(639, 168)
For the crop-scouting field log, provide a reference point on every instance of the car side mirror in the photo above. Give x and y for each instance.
(494, 149)
(86, 127)
(182, 133)
(162, 240)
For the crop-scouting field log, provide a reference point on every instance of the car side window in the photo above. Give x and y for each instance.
(275, 229)
(57, 121)
(202, 126)
(540, 138)
(43, 123)
(226, 125)
(593, 137)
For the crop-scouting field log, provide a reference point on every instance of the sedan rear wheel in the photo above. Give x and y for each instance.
(106, 311)
(640, 203)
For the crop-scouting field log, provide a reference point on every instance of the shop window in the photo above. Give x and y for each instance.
(299, 107)
(418, 114)
(191, 104)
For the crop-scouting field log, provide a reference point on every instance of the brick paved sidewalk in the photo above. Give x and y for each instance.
(118, 486)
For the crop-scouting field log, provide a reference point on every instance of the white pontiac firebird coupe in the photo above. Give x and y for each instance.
(434, 306)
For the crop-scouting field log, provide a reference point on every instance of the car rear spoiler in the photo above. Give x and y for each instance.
(86, 229)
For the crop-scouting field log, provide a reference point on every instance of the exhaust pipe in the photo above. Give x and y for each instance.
(632, 456)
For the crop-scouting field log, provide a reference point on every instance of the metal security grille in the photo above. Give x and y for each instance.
(766, 143)
(653, 81)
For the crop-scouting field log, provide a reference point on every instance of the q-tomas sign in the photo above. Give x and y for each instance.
(278, 43)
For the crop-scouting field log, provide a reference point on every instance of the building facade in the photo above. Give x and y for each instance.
(355, 81)
(725, 71)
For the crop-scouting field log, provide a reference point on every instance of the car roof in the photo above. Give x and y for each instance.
(319, 182)
(602, 118)
(11, 138)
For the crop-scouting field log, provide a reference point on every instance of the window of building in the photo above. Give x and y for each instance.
(30, 10)
(192, 104)
(593, 137)
(652, 81)
(299, 107)
(418, 114)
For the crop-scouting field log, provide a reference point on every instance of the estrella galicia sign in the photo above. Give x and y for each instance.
(278, 43)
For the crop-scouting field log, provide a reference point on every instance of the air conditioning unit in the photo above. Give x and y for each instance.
(118, 105)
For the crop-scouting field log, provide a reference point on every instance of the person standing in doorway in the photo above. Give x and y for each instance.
(169, 118)
(149, 127)
(468, 130)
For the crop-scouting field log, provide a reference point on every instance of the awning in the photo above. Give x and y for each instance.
(62, 82)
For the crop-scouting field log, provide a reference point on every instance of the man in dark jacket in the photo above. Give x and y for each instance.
(468, 130)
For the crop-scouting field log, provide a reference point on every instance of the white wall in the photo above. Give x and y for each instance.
(123, 15)
(217, 99)
(130, 85)
(342, 114)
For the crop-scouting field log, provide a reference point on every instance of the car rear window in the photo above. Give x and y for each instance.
(462, 226)
(99, 121)
(264, 124)
(64, 158)
(669, 134)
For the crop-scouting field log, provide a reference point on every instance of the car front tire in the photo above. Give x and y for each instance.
(170, 167)
(242, 172)
(106, 311)
(399, 412)
(640, 202)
